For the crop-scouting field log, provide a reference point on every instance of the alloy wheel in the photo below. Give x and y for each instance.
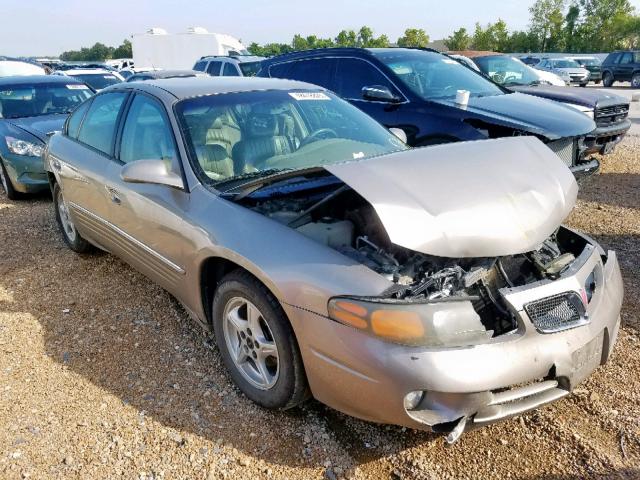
(65, 220)
(635, 81)
(250, 343)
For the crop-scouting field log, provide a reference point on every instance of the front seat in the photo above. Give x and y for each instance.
(263, 141)
(215, 161)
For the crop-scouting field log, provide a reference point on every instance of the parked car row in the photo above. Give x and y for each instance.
(609, 111)
(330, 257)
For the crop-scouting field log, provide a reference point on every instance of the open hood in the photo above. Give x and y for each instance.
(470, 199)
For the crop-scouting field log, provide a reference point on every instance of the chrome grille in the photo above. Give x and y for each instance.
(610, 115)
(565, 148)
(558, 312)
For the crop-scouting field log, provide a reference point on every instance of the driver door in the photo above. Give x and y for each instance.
(149, 217)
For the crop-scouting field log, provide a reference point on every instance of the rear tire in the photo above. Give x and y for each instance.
(257, 343)
(7, 186)
(607, 79)
(635, 80)
(71, 237)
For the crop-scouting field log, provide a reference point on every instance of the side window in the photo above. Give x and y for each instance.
(146, 134)
(230, 70)
(318, 71)
(626, 58)
(75, 120)
(352, 74)
(280, 70)
(200, 66)
(99, 127)
(214, 68)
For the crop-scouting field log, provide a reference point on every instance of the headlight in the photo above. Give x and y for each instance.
(22, 147)
(450, 323)
(586, 110)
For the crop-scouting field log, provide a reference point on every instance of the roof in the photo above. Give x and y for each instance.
(239, 58)
(168, 73)
(38, 80)
(206, 85)
(474, 53)
(370, 52)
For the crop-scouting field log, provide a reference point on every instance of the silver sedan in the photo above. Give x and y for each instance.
(433, 288)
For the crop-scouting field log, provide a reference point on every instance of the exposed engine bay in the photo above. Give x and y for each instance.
(334, 215)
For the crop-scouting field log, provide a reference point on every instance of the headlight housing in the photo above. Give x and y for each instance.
(449, 323)
(581, 108)
(23, 147)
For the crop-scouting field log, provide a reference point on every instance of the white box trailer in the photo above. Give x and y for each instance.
(180, 51)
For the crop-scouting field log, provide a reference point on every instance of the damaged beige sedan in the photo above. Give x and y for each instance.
(433, 288)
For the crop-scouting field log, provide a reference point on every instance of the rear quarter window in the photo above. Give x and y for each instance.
(75, 120)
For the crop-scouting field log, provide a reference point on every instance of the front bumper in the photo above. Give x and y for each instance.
(603, 140)
(368, 378)
(27, 174)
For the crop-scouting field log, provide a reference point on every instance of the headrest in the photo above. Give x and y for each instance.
(263, 125)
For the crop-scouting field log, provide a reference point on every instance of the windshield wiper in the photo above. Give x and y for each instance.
(260, 174)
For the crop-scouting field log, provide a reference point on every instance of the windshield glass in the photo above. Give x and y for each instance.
(588, 62)
(507, 70)
(236, 135)
(434, 76)
(46, 99)
(249, 69)
(98, 81)
(565, 64)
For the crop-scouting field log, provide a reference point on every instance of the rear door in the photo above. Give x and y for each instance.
(91, 131)
(148, 218)
(214, 67)
(624, 67)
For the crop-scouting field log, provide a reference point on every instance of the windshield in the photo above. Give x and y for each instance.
(236, 135)
(434, 76)
(564, 64)
(507, 70)
(43, 99)
(98, 81)
(249, 69)
(588, 62)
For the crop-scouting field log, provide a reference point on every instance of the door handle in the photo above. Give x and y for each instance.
(114, 195)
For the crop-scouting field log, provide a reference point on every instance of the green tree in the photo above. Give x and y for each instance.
(547, 18)
(346, 38)
(413, 37)
(459, 40)
(603, 28)
(123, 51)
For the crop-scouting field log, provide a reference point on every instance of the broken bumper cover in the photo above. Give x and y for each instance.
(368, 378)
(603, 140)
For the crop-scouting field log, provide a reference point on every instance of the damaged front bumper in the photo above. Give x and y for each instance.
(467, 387)
(604, 139)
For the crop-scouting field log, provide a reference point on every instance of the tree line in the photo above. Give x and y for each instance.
(555, 26)
(98, 52)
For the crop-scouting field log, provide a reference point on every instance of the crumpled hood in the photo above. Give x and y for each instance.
(41, 125)
(471, 199)
(534, 115)
(588, 97)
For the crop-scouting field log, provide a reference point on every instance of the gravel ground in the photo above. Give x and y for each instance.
(103, 375)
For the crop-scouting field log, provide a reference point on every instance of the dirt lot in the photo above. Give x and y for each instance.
(103, 375)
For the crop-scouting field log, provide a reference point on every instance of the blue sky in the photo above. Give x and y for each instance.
(45, 27)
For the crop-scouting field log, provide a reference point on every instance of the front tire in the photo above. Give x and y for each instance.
(257, 343)
(607, 79)
(71, 237)
(5, 181)
(635, 80)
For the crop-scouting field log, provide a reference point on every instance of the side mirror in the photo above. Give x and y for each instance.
(379, 93)
(400, 133)
(151, 171)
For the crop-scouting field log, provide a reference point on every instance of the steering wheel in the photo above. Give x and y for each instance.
(318, 135)
(499, 77)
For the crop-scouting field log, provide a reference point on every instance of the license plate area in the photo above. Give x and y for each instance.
(586, 359)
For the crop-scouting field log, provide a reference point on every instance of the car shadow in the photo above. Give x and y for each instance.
(615, 189)
(109, 324)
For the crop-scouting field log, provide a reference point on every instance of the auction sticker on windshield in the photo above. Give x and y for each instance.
(309, 96)
(77, 87)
